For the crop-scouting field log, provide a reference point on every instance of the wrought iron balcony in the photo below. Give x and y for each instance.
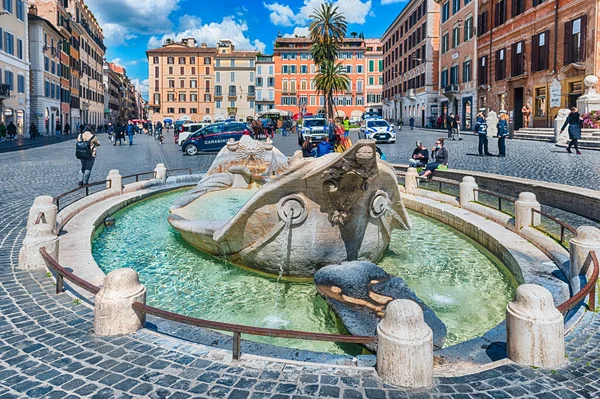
(451, 89)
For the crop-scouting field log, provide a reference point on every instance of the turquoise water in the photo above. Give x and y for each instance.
(458, 280)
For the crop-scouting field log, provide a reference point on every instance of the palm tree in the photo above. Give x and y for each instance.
(331, 79)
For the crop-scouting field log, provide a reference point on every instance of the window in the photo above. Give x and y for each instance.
(182, 110)
(540, 102)
(271, 69)
(181, 97)
(455, 6)
(499, 13)
(155, 60)
(271, 95)
(540, 51)
(380, 66)
(454, 75)
(359, 68)
(207, 98)
(182, 83)
(8, 7)
(359, 86)
(232, 77)
(192, 60)
(371, 80)
(293, 69)
(170, 97)
(170, 60)
(467, 71)
(482, 70)
(304, 69)
(217, 104)
(575, 37)
(193, 110)
(218, 91)
(217, 76)
(468, 29)
(482, 23)
(182, 70)
(170, 70)
(303, 85)
(538, 2)
(348, 69)
(455, 36)
(445, 43)
(9, 43)
(157, 98)
(171, 83)
(20, 10)
(218, 63)
(500, 64)
(232, 104)
(518, 51)
(445, 11)
(194, 97)
(21, 84)
(193, 83)
(232, 62)
(252, 76)
(270, 82)
(232, 90)
(170, 110)
(371, 66)
(252, 66)
(444, 77)
(181, 60)
(518, 7)
(207, 60)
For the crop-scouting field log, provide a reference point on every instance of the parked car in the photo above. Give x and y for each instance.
(378, 130)
(187, 129)
(213, 137)
(314, 128)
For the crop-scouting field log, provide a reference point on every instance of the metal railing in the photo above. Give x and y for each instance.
(137, 175)
(563, 226)
(62, 274)
(440, 182)
(588, 290)
(85, 187)
(188, 170)
(500, 198)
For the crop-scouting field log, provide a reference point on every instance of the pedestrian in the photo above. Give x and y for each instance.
(324, 147)
(2, 131)
(32, 131)
(457, 119)
(440, 156)
(451, 126)
(502, 132)
(85, 151)
(111, 132)
(574, 121)
(330, 129)
(130, 132)
(526, 110)
(67, 128)
(11, 129)
(346, 127)
(481, 129)
(58, 128)
(412, 123)
(308, 148)
(420, 156)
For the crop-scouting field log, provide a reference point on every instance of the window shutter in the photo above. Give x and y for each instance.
(514, 5)
(497, 64)
(497, 14)
(547, 50)
(513, 59)
(583, 37)
(534, 52)
(567, 42)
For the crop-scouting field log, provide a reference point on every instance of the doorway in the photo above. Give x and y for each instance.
(467, 113)
(518, 101)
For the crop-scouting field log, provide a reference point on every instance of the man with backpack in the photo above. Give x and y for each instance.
(85, 151)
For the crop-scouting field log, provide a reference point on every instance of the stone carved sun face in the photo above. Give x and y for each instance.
(250, 151)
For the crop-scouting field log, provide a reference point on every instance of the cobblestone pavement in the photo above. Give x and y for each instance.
(47, 348)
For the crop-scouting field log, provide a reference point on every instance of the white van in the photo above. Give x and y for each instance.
(188, 129)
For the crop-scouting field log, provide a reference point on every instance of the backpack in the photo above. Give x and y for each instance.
(83, 148)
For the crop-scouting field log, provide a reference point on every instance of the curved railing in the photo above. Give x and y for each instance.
(85, 188)
(588, 290)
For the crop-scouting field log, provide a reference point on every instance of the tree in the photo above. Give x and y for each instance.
(353, 34)
(327, 32)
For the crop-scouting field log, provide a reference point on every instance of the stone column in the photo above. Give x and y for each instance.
(410, 180)
(161, 172)
(113, 314)
(523, 215)
(559, 121)
(466, 191)
(41, 223)
(587, 239)
(492, 123)
(405, 346)
(535, 328)
(116, 181)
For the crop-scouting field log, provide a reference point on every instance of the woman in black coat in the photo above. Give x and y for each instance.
(575, 121)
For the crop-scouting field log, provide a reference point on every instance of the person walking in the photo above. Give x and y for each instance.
(111, 132)
(346, 126)
(32, 131)
(67, 128)
(412, 123)
(11, 129)
(502, 132)
(575, 121)
(2, 131)
(457, 119)
(58, 129)
(451, 126)
(130, 132)
(85, 151)
(481, 129)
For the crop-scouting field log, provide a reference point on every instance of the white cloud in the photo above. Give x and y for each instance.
(189, 22)
(141, 86)
(241, 11)
(355, 11)
(386, 2)
(298, 32)
(212, 32)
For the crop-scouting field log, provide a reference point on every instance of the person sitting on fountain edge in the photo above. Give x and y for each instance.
(440, 156)
(420, 156)
(324, 147)
(308, 148)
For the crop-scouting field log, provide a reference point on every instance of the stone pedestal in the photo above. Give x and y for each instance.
(410, 181)
(524, 217)
(534, 328)
(41, 223)
(492, 122)
(160, 172)
(113, 314)
(559, 121)
(590, 101)
(466, 191)
(587, 239)
(405, 346)
(116, 180)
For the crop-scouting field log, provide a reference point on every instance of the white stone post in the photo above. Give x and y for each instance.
(524, 217)
(41, 224)
(410, 180)
(467, 193)
(590, 101)
(492, 123)
(405, 346)
(535, 328)
(559, 121)
(587, 239)
(116, 180)
(113, 314)
(160, 172)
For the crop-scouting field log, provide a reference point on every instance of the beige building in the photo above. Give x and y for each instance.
(373, 76)
(14, 64)
(235, 92)
(180, 81)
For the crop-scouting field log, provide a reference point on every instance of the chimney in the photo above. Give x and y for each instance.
(204, 45)
(190, 42)
(33, 10)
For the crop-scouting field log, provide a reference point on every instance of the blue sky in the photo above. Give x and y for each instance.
(133, 26)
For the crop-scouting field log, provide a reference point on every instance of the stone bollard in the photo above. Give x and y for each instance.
(466, 191)
(410, 180)
(40, 234)
(405, 346)
(524, 217)
(113, 314)
(160, 172)
(535, 328)
(492, 122)
(559, 121)
(587, 239)
(116, 181)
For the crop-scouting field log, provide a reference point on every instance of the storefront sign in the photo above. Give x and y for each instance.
(555, 93)
(8, 112)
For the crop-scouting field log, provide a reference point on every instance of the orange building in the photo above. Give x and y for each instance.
(295, 71)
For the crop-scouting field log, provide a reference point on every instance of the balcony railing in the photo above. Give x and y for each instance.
(4, 91)
(451, 89)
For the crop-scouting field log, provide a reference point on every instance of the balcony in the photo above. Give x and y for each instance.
(232, 95)
(451, 89)
(4, 91)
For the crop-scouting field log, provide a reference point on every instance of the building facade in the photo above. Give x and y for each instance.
(265, 83)
(295, 70)
(14, 64)
(374, 76)
(235, 75)
(181, 77)
(458, 55)
(537, 53)
(76, 33)
(411, 63)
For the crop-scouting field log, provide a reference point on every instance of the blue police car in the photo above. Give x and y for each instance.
(213, 137)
